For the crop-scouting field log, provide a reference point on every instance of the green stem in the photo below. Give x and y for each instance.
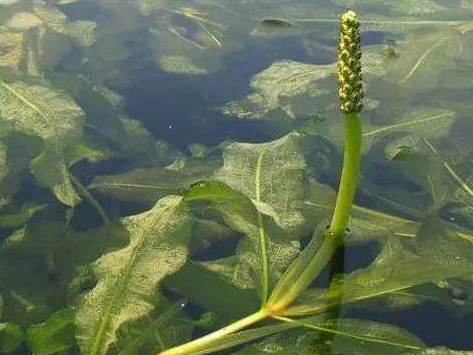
(324, 252)
(206, 341)
(348, 180)
(297, 281)
(86, 194)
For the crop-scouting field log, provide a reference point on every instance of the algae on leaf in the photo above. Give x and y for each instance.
(128, 279)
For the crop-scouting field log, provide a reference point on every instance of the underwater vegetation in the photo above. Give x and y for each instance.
(300, 183)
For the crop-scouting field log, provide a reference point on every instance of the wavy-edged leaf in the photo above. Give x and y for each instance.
(386, 336)
(282, 80)
(244, 337)
(146, 185)
(154, 329)
(55, 335)
(11, 337)
(266, 250)
(422, 123)
(437, 253)
(38, 110)
(128, 278)
(271, 174)
(441, 350)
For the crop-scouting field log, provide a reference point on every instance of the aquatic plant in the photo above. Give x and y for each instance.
(310, 262)
(115, 242)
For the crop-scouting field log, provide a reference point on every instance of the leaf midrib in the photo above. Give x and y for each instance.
(116, 295)
(32, 106)
(263, 239)
(406, 124)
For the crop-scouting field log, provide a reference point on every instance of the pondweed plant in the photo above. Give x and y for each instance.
(307, 266)
(123, 236)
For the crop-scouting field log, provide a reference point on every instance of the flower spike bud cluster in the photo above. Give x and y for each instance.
(349, 64)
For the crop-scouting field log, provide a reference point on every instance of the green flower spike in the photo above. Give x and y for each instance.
(349, 64)
(351, 95)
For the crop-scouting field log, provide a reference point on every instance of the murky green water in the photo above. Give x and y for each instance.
(163, 162)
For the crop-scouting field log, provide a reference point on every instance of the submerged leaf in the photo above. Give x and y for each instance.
(245, 336)
(11, 337)
(180, 65)
(439, 351)
(284, 79)
(423, 123)
(215, 293)
(129, 278)
(53, 336)
(436, 254)
(267, 249)
(271, 173)
(38, 110)
(384, 338)
(146, 185)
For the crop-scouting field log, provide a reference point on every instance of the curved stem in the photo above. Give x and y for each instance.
(207, 340)
(348, 180)
(86, 194)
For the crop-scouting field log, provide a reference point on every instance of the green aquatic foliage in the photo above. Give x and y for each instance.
(11, 337)
(118, 240)
(272, 86)
(128, 278)
(55, 335)
(36, 38)
(36, 109)
(180, 65)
